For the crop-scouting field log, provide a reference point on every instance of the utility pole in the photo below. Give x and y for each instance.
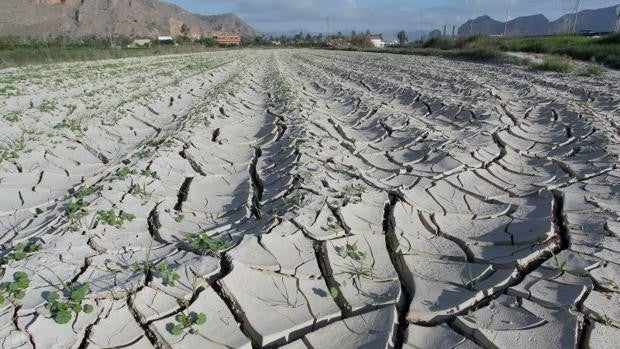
(327, 29)
(575, 15)
(506, 22)
(618, 19)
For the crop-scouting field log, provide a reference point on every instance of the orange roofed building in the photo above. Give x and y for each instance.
(227, 38)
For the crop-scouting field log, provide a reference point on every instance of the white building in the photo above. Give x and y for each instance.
(165, 39)
(377, 40)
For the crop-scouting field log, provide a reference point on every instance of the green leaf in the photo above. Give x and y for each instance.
(334, 292)
(88, 308)
(1, 299)
(62, 317)
(52, 296)
(200, 319)
(19, 294)
(176, 330)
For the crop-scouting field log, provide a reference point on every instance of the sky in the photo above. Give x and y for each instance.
(378, 16)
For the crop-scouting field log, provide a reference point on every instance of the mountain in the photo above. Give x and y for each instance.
(135, 18)
(600, 20)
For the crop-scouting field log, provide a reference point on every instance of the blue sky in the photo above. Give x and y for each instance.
(377, 15)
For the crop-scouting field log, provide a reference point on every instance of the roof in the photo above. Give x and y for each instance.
(376, 37)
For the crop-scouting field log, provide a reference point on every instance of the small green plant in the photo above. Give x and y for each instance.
(125, 172)
(109, 217)
(470, 281)
(203, 244)
(149, 173)
(72, 124)
(332, 225)
(356, 271)
(76, 209)
(558, 263)
(179, 217)
(350, 251)
(140, 191)
(47, 106)
(15, 289)
(296, 201)
(591, 70)
(84, 192)
(353, 192)
(167, 274)
(63, 307)
(10, 148)
(13, 116)
(303, 176)
(156, 142)
(21, 251)
(187, 321)
(606, 320)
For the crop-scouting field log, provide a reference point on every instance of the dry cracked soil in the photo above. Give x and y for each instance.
(307, 199)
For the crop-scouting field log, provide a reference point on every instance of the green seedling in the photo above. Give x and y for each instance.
(84, 192)
(13, 116)
(10, 148)
(167, 274)
(74, 125)
(303, 176)
(296, 201)
(156, 142)
(471, 281)
(353, 192)
(203, 244)
(558, 263)
(22, 250)
(187, 322)
(607, 320)
(47, 106)
(15, 289)
(140, 191)
(149, 173)
(332, 225)
(356, 272)
(351, 251)
(63, 304)
(125, 172)
(179, 217)
(76, 209)
(111, 218)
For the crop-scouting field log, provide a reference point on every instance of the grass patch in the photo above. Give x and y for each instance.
(555, 64)
(22, 56)
(605, 50)
(591, 70)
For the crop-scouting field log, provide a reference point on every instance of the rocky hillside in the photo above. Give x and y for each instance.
(599, 20)
(136, 18)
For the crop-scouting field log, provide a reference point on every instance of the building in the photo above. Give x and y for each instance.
(377, 40)
(140, 43)
(165, 40)
(227, 38)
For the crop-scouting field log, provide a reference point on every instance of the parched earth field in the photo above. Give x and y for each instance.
(308, 199)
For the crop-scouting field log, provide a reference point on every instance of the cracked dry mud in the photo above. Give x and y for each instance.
(308, 199)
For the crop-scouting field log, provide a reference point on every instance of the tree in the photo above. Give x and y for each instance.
(185, 30)
(402, 38)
